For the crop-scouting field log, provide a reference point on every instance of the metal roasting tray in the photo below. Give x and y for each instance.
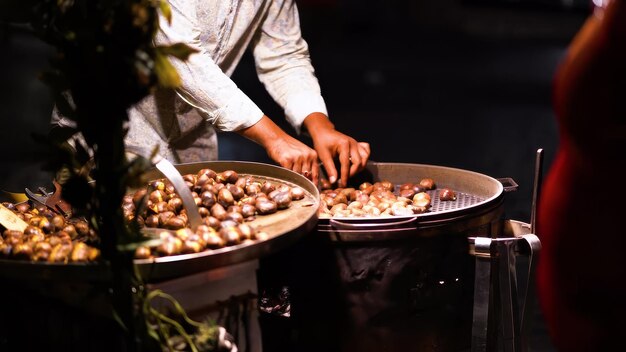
(479, 201)
(284, 228)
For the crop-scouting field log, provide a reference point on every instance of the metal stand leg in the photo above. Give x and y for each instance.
(512, 320)
(482, 284)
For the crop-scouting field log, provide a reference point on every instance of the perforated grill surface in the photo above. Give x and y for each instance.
(463, 200)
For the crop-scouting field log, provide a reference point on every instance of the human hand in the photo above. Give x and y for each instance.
(352, 156)
(332, 145)
(292, 154)
(285, 150)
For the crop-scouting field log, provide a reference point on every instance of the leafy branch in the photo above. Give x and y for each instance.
(105, 62)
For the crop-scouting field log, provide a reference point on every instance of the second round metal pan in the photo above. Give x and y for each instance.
(283, 227)
(479, 201)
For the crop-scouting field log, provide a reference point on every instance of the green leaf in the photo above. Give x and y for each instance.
(180, 51)
(166, 73)
(119, 320)
(166, 10)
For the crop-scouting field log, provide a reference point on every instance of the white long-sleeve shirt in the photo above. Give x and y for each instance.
(181, 122)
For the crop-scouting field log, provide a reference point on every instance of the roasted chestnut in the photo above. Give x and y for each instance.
(22, 251)
(237, 217)
(421, 199)
(22, 207)
(208, 172)
(60, 252)
(297, 193)
(265, 206)
(324, 184)
(174, 223)
(282, 199)
(212, 221)
(253, 188)
(191, 246)
(236, 191)
(143, 252)
(218, 211)
(82, 227)
(228, 176)
(447, 194)
(267, 187)
(230, 235)
(248, 210)
(79, 253)
(225, 197)
(175, 204)
(247, 232)
(407, 193)
(208, 199)
(427, 183)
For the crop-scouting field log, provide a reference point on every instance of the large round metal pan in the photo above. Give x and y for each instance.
(284, 228)
(479, 201)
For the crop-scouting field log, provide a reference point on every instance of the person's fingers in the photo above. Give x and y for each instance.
(308, 163)
(344, 161)
(364, 151)
(315, 172)
(297, 166)
(355, 159)
(287, 163)
(327, 160)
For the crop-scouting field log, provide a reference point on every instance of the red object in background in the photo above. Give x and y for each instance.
(582, 269)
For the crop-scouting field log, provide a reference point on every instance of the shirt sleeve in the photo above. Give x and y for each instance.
(204, 85)
(284, 66)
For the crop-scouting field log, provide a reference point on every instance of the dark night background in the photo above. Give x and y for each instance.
(465, 84)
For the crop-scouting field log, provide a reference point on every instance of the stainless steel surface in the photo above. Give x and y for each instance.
(171, 173)
(283, 227)
(479, 203)
(508, 183)
(536, 189)
(482, 282)
(532, 251)
(512, 321)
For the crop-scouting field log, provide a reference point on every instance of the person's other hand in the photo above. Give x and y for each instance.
(285, 150)
(331, 144)
(290, 153)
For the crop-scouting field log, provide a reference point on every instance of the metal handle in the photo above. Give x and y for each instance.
(509, 184)
(536, 189)
(171, 173)
(183, 191)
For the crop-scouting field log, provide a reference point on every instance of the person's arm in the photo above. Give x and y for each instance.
(283, 148)
(284, 67)
(330, 143)
(204, 85)
(283, 63)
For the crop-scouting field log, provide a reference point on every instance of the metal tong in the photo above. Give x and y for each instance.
(52, 200)
(514, 320)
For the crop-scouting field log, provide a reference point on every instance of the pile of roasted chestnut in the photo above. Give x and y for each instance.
(226, 203)
(49, 237)
(379, 199)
